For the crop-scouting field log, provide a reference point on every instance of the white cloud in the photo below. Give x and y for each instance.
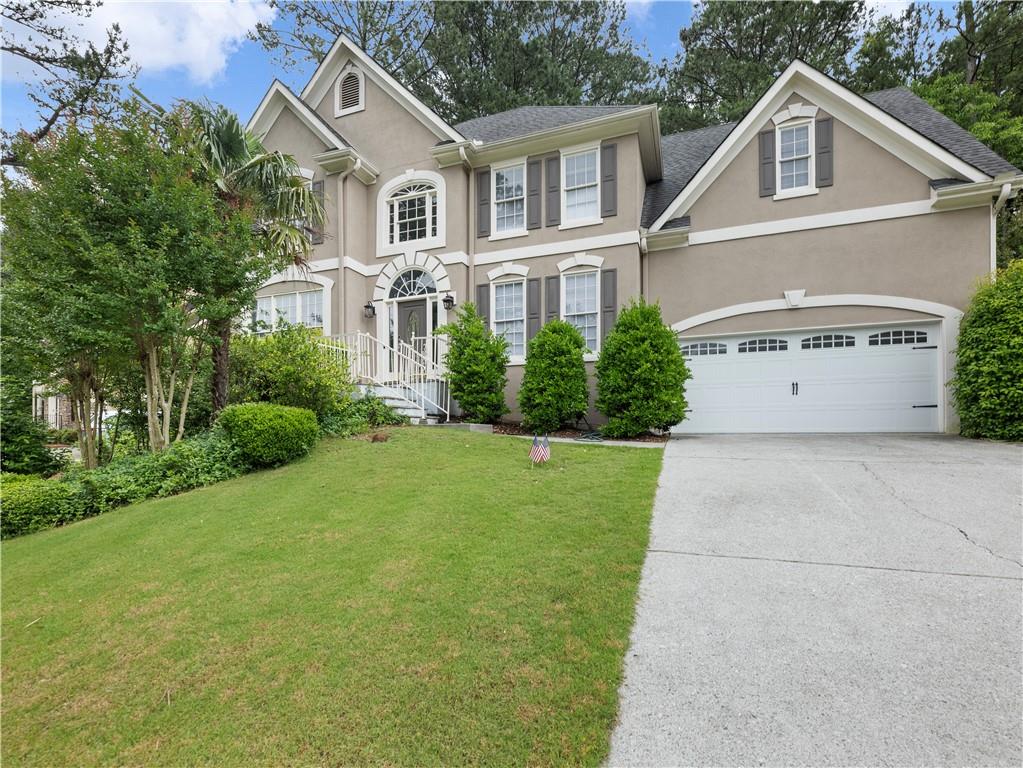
(638, 10)
(196, 36)
(893, 8)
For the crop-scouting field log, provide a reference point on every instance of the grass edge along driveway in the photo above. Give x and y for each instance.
(428, 600)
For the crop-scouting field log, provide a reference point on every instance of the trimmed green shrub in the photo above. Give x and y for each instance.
(641, 374)
(476, 361)
(988, 382)
(267, 435)
(32, 503)
(355, 416)
(288, 367)
(554, 389)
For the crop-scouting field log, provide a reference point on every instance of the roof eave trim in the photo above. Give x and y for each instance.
(328, 69)
(348, 160)
(265, 116)
(626, 121)
(764, 108)
(976, 193)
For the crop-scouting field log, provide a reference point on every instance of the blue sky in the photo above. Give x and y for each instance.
(196, 49)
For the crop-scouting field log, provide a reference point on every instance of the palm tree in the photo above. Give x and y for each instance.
(267, 185)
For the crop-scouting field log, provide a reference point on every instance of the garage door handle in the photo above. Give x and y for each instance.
(926, 406)
(932, 346)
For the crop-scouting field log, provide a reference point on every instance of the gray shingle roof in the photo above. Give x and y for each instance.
(682, 154)
(906, 107)
(523, 121)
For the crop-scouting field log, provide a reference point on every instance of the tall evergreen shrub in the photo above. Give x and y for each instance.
(641, 374)
(988, 382)
(554, 390)
(476, 361)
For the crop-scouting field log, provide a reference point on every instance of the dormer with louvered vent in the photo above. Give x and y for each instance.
(349, 92)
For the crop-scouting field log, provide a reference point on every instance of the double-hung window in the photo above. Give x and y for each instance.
(581, 190)
(581, 308)
(312, 308)
(795, 150)
(510, 199)
(510, 316)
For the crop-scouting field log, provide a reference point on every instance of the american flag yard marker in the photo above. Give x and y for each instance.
(540, 452)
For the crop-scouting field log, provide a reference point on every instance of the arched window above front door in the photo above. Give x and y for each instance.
(413, 282)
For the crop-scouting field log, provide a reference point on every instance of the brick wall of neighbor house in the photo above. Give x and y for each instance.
(884, 225)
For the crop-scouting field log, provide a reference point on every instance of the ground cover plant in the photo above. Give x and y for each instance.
(342, 610)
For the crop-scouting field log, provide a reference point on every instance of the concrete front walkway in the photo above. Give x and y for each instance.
(829, 600)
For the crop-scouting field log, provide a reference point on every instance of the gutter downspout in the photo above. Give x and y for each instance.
(341, 237)
(471, 223)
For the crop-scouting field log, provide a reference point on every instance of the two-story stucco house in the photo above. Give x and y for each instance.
(814, 257)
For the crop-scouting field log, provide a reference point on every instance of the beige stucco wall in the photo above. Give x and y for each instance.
(631, 188)
(808, 317)
(936, 257)
(866, 175)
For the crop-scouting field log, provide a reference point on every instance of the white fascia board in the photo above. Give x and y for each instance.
(330, 67)
(276, 99)
(852, 109)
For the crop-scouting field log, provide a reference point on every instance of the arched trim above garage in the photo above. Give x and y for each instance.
(833, 300)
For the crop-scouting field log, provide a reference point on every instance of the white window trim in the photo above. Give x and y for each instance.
(494, 234)
(512, 359)
(410, 247)
(298, 275)
(811, 179)
(588, 357)
(299, 306)
(347, 70)
(589, 222)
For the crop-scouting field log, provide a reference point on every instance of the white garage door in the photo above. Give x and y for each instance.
(846, 380)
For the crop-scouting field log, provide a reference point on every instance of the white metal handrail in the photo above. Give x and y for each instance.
(406, 368)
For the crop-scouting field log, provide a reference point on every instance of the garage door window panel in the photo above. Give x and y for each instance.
(828, 341)
(763, 345)
(899, 336)
(702, 348)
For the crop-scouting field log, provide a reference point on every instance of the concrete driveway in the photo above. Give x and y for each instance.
(829, 600)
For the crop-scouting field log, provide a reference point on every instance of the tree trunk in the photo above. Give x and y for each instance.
(221, 372)
(970, 38)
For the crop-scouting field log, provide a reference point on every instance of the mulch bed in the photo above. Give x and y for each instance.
(574, 434)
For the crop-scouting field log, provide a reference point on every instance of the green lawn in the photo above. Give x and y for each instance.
(422, 601)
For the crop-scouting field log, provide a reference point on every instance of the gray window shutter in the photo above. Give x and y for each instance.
(767, 162)
(553, 200)
(316, 237)
(483, 203)
(609, 180)
(608, 301)
(825, 149)
(532, 307)
(483, 302)
(553, 286)
(533, 194)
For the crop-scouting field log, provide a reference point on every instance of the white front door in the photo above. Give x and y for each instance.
(874, 379)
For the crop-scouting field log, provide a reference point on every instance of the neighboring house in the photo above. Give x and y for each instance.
(814, 257)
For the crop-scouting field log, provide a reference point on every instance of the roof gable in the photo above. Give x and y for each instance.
(345, 50)
(907, 143)
(279, 97)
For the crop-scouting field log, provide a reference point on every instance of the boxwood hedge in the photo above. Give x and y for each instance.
(267, 435)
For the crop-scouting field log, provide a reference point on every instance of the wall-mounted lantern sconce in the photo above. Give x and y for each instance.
(448, 301)
(369, 311)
